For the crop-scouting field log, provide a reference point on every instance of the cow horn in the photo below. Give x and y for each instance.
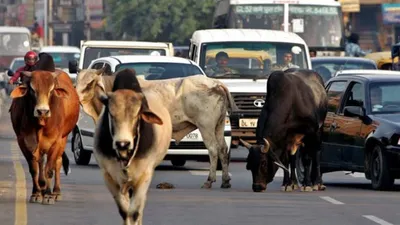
(245, 144)
(267, 146)
(101, 70)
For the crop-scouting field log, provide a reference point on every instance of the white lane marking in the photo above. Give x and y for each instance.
(377, 220)
(204, 173)
(331, 200)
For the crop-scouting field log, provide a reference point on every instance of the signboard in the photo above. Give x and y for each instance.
(350, 5)
(259, 9)
(391, 13)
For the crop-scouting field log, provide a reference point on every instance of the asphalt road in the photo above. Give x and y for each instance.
(347, 200)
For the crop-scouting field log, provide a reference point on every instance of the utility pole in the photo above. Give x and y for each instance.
(45, 22)
(50, 21)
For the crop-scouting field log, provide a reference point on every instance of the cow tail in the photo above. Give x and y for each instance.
(231, 105)
(65, 163)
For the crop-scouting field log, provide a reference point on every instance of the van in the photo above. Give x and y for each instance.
(242, 59)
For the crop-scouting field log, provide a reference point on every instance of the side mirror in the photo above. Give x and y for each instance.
(354, 111)
(10, 73)
(73, 66)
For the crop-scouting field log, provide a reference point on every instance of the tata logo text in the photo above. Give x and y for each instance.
(259, 103)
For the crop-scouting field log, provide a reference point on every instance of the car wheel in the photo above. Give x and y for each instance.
(178, 162)
(81, 156)
(381, 178)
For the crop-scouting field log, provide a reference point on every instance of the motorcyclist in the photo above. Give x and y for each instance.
(31, 59)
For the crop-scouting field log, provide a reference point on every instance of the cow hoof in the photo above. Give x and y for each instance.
(286, 188)
(306, 189)
(226, 185)
(48, 200)
(36, 199)
(319, 187)
(58, 197)
(207, 185)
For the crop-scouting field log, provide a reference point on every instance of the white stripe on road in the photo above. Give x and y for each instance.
(331, 200)
(377, 220)
(204, 173)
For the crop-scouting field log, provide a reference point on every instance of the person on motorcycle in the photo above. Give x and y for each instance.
(31, 59)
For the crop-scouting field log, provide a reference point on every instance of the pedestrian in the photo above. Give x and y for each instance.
(31, 59)
(353, 48)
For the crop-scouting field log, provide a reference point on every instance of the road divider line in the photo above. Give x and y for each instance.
(20, 187)
(377, 220)
(331, 200)
(204, 173)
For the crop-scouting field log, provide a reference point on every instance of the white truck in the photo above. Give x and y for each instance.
(243, 59)
(91, 50)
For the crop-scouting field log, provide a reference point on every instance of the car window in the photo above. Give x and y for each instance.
(333, 67)
(160, 71)
(335, 92)
(17, 64)
(384, 97)
(355, 95)
(97, 66)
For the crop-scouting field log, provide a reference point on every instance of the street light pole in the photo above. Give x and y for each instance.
(45, 22)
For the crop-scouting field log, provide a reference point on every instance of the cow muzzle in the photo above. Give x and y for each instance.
(123, 147)
(42, 112)
(258, 187)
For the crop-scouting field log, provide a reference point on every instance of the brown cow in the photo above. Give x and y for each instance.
(193, 102)
(44, 111)
(131, 138)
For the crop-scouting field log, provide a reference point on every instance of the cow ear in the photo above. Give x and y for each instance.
(19, 91)
(266, 147)
(61, 92)
(148, 115)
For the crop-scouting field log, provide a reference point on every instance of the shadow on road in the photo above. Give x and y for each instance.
(358, 186)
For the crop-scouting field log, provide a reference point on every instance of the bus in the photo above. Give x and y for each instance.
(318, 22)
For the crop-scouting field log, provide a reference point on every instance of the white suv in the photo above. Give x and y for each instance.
(190, 148)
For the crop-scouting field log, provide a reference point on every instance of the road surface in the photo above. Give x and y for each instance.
(347, 200)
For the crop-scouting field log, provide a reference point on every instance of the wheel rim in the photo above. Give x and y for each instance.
(77, 146)
(376, 165)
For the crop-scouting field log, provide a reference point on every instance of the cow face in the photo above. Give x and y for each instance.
(261, 161)
(86, 83)
(125, 110)
(41, 86)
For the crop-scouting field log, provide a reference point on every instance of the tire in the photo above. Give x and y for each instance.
(81, 156)
(381, 178)
(178, 162)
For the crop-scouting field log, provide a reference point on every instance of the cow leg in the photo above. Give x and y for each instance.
(42, 180)
(120, 199)
(52, 157)
(36, 196)
(316, 170)
(57, 178)
(212, 146)
(223, 153)
(293, 178)
(306, 186)
(138, 199)
(287, 182)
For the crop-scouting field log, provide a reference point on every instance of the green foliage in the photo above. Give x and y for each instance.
(159, 20)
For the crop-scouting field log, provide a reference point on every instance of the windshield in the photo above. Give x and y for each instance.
(14, 44)
(266, 16)
(319, 26)
(161, 71)
(94, 53)
(384, 97)
(61, 59)
(329, 69)
(17, 64)
(250, 60)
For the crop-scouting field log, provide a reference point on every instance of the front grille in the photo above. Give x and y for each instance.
(187, 145)
(245, 101)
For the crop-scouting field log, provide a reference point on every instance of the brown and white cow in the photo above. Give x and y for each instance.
(44, 111)
(193, 102)
(132, 137)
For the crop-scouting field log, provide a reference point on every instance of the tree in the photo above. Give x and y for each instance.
(159, 20)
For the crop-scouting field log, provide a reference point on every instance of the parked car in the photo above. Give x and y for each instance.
(151, 68)
(328, 67)
(361, 132)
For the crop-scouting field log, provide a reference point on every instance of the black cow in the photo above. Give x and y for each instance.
(291, 119)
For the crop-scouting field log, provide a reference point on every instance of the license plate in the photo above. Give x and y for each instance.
(192, 136)
(248, 122)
